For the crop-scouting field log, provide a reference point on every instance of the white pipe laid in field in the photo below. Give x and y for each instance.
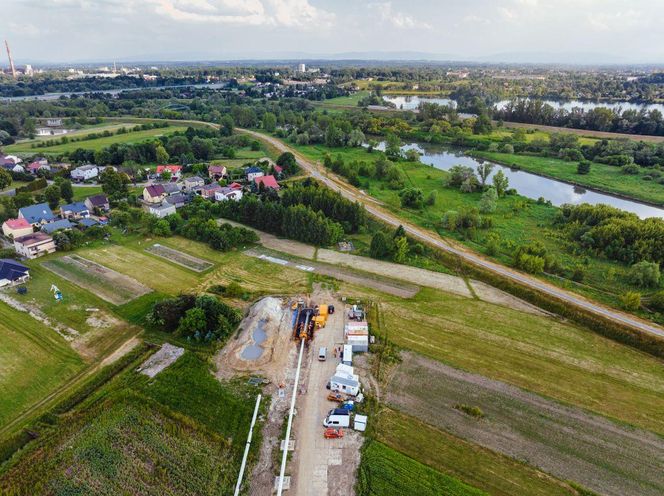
(247, 446)
(290, 420)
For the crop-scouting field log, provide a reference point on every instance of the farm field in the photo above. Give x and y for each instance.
(34, 361)
(563, 441)
(107, 284)
(602, 177)
(540, 354)
(496, 474)
(174, 256)
(385, 471)
(96, 144)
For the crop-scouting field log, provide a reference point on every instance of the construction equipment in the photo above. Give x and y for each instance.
(304, 325)
(332, 433)
(338, 397)
(11, 60)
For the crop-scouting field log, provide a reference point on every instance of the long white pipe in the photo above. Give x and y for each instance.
(290, 421)
(247, 446)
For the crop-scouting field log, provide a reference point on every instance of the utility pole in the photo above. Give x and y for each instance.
(11, 60)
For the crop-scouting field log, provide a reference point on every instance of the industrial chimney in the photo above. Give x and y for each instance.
(11, 61)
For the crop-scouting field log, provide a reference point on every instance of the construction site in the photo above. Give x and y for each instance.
(302, 350)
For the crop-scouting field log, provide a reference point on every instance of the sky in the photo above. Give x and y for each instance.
(107, 30)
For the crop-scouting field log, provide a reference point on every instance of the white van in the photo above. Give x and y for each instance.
(337, 418)
(322, 354)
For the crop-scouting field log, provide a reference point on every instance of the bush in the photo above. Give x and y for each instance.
(579, 274)
(583, 167)
(530, 263)
(644, 274)
(473, 411)
(630, 169)
(657, 301)
(631, 300)
(412, 198)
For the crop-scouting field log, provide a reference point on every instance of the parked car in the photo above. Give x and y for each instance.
(322, 354)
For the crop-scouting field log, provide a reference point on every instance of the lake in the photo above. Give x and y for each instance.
(408, 102)
(531, 185)
(589, 105)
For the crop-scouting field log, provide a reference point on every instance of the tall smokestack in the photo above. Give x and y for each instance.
(11, 60)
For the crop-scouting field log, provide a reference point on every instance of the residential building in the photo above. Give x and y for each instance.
(97, 202)
(87, 222)
(76, 210)
(161, 210)
(155, 193)
(15, 228)
(85, 173)
(267, 182)
(12, 272)
(34, 245)
(58, 225)
(253, 172)
(208, 191)
(54, 122)
(193, 183)
(36, 214)
(178, 200)
(175, 170)
(235, 186)
(36, 166)
(171, 188)
(216, 172)
(228, 193)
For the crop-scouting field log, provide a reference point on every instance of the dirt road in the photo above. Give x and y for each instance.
(566, 442)
(434, 240)
(321, 466)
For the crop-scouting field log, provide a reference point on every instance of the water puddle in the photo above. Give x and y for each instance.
(255, 350)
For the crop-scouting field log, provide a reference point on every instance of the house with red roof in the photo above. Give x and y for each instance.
(15, 228)
(235, 186)
(36, 166)
(216, 172)
(175, 170)
(267, 182)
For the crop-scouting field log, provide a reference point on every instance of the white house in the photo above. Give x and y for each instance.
(85, 173)
(34, 245)
(253, 172)
(227, 193)
(161, 210)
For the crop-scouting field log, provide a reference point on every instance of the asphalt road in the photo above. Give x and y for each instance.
(433, 239)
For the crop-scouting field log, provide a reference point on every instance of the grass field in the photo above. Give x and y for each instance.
(95, 144)
(34, 360)
(603, 177)
(540, 354)
(345, 100)
(478, 467)
(384, 472)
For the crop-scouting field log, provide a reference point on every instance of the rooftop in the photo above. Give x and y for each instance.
(37, 213)
(33, 239)
(17, 223)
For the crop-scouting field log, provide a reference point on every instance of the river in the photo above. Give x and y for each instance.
(531, 185)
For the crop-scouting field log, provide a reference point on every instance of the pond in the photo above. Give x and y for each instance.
(412, 102)
(589, 105)
(531, 185)
(255, 350)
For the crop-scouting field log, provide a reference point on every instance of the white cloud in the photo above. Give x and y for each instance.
(397, 19)
(26, 29)
(289, 13)
(617, 21)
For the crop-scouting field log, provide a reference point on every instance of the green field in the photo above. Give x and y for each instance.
(34, 361)
(478, 467)
(540, 354)
(345, 101)
(181, 433)
(385, 471)
(603, 177)
(95, 144)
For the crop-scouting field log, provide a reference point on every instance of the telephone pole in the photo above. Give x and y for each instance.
(11, 60)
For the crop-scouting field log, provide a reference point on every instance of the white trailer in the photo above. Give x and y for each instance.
(347, 355)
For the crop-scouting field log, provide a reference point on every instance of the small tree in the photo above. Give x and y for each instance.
(166, 175)
(5, 179)
(161, 154)
(413, 155)
(52, 195)
(489, 201)
(66, 191)
(269, 122)
(400, 249)
(501, 183)
(644, 274)
(583, 167)
(193, 322)
(412, 198)
(432, 197)
(380, 245)
(657, 301)
(484, 171)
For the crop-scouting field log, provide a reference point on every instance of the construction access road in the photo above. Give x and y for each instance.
(376, 209)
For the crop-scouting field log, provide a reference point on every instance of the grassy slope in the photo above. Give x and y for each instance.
(517, 221)
(603, 177)
(385, 471)
(494, 473)
(540, 354)
(96, 144)
(34, 361)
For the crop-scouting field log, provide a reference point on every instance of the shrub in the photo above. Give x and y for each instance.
(412, 198)
(473, 411)
(631, 300)
(578, 274)
(644, 274)
(583, 167)
(657, 301)
(630, 169)
(530, 263)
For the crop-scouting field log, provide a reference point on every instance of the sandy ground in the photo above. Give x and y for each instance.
(165, 356)
(322, 466)
(276, 315)
(566, 442)
(124, 348)
(283, 245)
(494, 295)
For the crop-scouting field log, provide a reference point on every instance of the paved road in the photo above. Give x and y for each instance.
(433, 239)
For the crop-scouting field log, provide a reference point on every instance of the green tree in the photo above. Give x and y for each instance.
(356, 138)
(161, 154)
(644, 274)
(5, 179)
(400, 249)
(113, 183)
(412, 155)
(226, 125)
(631, 300)
(583, 167)
(482, 124)
(432, 198)
(193, 323)
(269, 122)
(489, 201)
(392, 146)
(484, 171)
(412, 198)
(380, 245)
(66, 191)
(287, 161)
(501, 183)
(52, 195)
(657, 301)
